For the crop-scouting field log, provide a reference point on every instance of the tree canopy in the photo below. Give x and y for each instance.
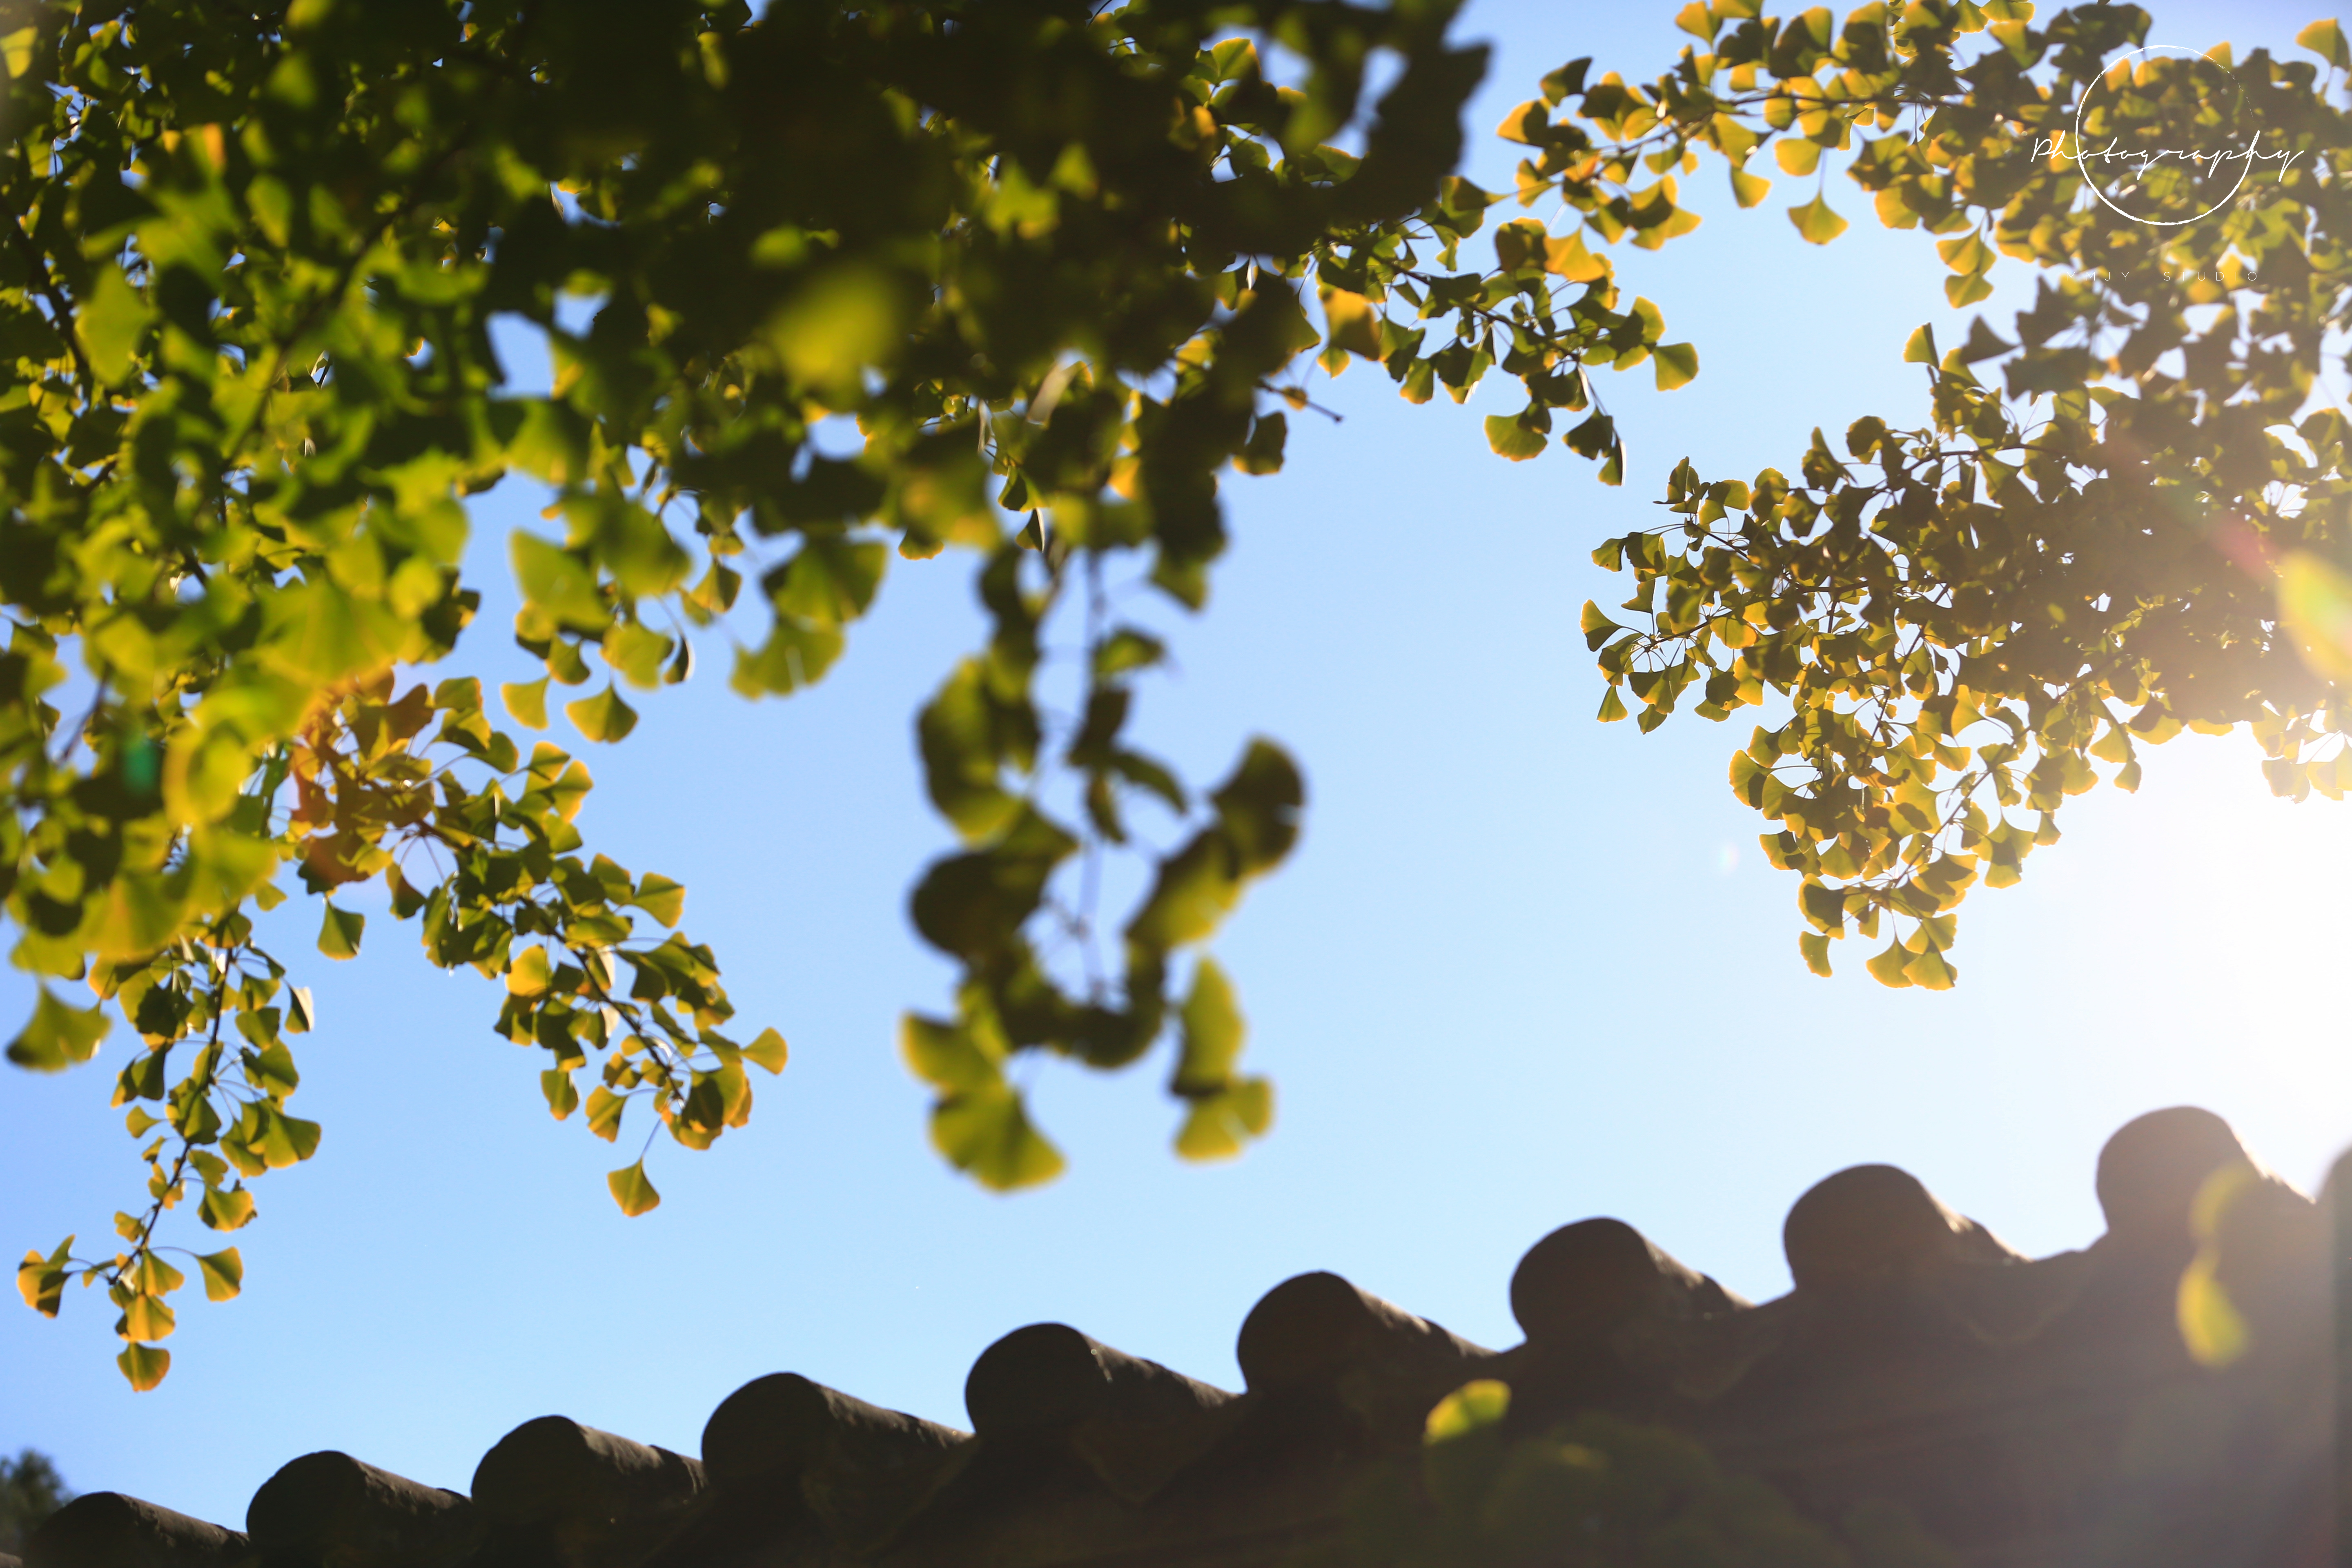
(30, 1491)
(1024, 280)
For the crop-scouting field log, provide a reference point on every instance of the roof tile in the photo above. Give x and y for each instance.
(330, 1505)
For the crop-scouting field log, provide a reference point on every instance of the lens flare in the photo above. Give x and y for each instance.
(2315, 608)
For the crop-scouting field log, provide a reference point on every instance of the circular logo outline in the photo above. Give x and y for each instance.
(2245, 163)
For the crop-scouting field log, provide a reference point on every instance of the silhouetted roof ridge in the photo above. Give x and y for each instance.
(1917, 1359)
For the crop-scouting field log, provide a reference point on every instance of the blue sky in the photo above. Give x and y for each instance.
(1522, 970)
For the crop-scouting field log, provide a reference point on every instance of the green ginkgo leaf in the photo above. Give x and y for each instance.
(637, 652)
(768, 1050)
(2211, 1327)
(42, 1281)
(562, 1094)
(603, 717)
(2326, 39)
(147, 1318)
(988, 1135)
(1512, 436)
(224, 1273)
(634, 1190)
(1816, 222)
(340, 931)
(1219, 1125)
(526, 703)
(57, 1035)
(605, 1108)
(1677, 364)
(1481, 1402)
(660, 898)
(143, 1366)
(112, 323)
(226, 1208)
(1211, 1033)
(1797, 156)
(555, 580)
(527, 973)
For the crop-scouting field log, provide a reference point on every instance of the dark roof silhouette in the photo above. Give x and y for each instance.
(2029, 1414)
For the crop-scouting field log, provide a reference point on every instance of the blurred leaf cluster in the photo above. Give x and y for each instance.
(1596, 1492)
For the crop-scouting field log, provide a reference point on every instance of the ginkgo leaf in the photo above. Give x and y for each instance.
(1218, 1125)
(637, 652)
(57, 1035)
(603, 717)
(1514, 436)
(1929, 971)
(143, 1366)
(633, 1190)
(562, 1094)
(987, 1134)
(526, 703)
(226, 1208)
(1354, 322)
(224, 1273)
(2326, 39)
(340, 931)
(1211, 1033)
(1481, 1402)
(1677, 364)
(1797, 156)
(660, 898)
(605, 1108)
(2211, 1328)
(147, 1318)
(1816, 222)
(1815, 947)
(527, 973)
(41, 1281)
(112, 323)
(768, 1050)
(1888, 967)
(558, 581)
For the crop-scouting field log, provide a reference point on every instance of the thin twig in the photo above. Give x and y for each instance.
(1298, 398)
(62, 312)
(73, 737)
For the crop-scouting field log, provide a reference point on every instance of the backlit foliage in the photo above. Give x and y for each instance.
(1051, 265)
(2141, 523)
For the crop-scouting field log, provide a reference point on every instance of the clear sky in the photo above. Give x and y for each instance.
(1522, 970)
